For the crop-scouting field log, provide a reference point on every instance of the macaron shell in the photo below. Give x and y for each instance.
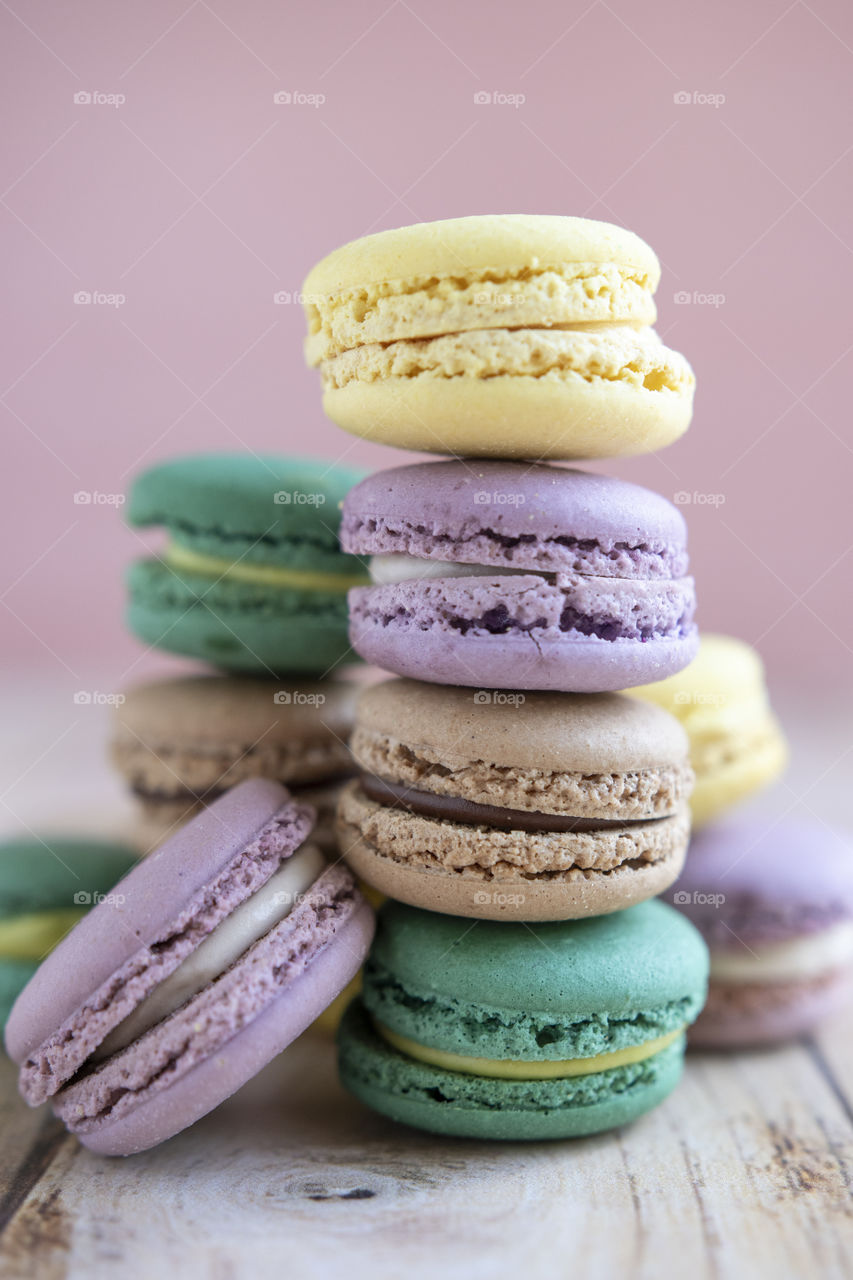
(244, 1055)
(747, 771)
(448, 1102)
(512, 416)
(739, 1016)
(44, 874)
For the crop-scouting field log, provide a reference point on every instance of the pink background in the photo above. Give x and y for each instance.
(198, 198)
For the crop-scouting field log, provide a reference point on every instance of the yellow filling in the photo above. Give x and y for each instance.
(274, 575)
(30, 937)
(507, 1069)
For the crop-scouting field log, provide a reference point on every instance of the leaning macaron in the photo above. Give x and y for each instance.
(47, 885)
(774, 902)
(206, 961)
(514, 336)
(507, 576)
(181, 742)
(736, 744)
(514, 807)
(252, 578)
(487, 1030)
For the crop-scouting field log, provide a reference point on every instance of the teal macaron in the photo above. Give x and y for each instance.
(494, 1030)
(252, 578)
(46, 885)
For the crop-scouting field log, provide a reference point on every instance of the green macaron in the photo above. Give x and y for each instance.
(492, 1030)
(46, 885)
(252, 578)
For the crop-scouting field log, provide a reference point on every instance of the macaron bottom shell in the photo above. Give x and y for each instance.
(756, 1015)
(746, 771)
(465, 1106)
(237, 626)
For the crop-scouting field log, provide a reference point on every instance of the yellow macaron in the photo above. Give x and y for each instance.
(504, 335)
(736, 744)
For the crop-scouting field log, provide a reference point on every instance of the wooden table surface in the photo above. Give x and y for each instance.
(746, 1170)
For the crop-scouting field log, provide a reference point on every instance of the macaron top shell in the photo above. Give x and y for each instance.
(756, 880)
(156, 916)
(45, 874)
(463, 984)
(207, 710)
(601, 733)
(506, 514)
(261, 507)
(456, 246)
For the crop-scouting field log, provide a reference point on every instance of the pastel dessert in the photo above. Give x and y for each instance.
(505, 575)
(774, 902)
(736, 744)
(252, 578)
(210, 958)
(512, 336)
(181, 742)
(487, 1030)
(47, 884)
(547, 808)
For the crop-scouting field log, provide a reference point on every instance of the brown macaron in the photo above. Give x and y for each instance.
(181, 742)
(514, 806)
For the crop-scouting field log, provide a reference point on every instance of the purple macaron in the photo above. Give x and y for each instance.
(206, 961)
(507, 575)
(774, 902)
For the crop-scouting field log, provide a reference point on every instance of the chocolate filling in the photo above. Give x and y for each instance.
(457, 809)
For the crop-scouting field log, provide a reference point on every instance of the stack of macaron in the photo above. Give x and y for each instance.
(518, 810)
(251, 582)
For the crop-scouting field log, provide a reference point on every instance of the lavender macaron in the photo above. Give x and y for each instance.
(206, 961)
(774, 902)
(506, 575)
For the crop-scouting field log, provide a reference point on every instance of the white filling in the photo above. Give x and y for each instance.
(387, 570)
(228, 941)
(793, 961)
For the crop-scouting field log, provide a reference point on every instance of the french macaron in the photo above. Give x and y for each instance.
(182, 741)
(509, 576)
(47, 884)
(774, 902)
(252, 578)
(520, 807)
(490, 1030)
(206, 961)
(512, 336)
(736, 744)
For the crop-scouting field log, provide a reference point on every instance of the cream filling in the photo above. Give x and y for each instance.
(797, 960)
(273, 575)
(229, 940)
(512, 1069)
(397, 567)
